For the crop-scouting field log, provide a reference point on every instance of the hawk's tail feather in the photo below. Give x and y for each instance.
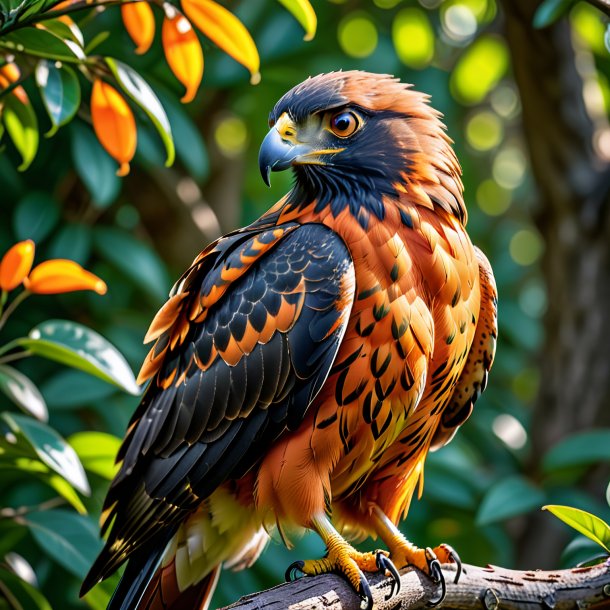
(163, 591)
(147, 584)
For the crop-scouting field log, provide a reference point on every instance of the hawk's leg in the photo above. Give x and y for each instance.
(346, 560)
(405, 553)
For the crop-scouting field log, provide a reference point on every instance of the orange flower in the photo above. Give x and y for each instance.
(114, 124)
(16, 264)
(60, 275)
(10, 73)
(139, 22)
(222, 27)
(182, 51)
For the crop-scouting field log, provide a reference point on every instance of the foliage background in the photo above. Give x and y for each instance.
(140, 232)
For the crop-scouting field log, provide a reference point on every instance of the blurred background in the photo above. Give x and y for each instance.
(528, 111)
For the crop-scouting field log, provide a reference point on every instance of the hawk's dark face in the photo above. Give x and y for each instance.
(356, 138)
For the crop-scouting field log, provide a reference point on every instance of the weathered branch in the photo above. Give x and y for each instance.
(490, 588)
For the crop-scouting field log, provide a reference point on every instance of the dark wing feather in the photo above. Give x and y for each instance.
(247, 350)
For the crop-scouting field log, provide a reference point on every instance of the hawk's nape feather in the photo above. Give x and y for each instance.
(240, 377)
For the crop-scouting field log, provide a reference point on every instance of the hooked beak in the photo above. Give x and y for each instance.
(277, 154)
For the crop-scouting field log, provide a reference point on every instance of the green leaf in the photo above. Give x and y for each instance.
(81, 348)
(20, 594)
(508, 498)
(190, 146)
(84, 389)
(143, 95)
(37, 42)
(304, 13)
(97, 452)
(22, 392)
(580, 449)
(50, 448)
(68, 33)
(66, 491)
(60, 92)
(36, 216)
(22, 126)
(591, 526)
(550, 11)
(135, 259)
(72, 241)
(70, 539)
(94, 165)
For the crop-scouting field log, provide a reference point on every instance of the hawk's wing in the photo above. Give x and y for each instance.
(243, 346)
(473, 377)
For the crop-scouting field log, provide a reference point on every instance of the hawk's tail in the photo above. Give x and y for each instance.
(183, 572)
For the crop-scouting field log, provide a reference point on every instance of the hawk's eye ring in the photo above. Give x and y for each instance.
(344, 123)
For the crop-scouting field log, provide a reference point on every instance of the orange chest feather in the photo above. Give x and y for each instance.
(416, 299)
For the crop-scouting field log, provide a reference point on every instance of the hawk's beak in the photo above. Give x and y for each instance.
(280, 148)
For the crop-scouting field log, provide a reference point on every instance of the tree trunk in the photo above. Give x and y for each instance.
(574, 185)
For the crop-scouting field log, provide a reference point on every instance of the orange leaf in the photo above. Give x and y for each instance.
(114, 124)
(60, 275)
(139, 22)
(182, 51)
(16, 264)
(226, 30)
(10, 73)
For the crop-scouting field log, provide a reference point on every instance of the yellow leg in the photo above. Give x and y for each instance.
(346, 560)
(405, 553)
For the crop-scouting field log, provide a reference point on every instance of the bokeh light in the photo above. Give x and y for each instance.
(386, 3)
(589, 27)
(459, 22)
(504, 101)
(484, 131)
(526, 247)
(532, 299)
(231, 135)
(492, 198)
(413, 37)
(510, 430)
(358, 34)
(479, 69)
(509, 167)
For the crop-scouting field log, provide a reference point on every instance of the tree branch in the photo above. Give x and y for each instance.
(490, 588)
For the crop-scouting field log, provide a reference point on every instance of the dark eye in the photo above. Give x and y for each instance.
(344, 124)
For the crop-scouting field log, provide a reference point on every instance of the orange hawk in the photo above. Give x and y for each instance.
(304, 366)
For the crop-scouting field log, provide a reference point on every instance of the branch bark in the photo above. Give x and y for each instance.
(490, 588)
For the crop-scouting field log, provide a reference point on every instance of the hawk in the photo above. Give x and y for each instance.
(304, 366)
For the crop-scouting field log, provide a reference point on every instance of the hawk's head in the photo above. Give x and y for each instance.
(361, 135)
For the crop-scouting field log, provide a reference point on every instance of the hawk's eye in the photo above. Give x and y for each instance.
(344, 123)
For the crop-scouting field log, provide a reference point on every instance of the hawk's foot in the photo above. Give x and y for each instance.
(344, 559)
(428, 560)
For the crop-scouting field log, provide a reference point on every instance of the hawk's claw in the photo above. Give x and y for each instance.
(365, 593)
(385, 563)
(437, 576)
(455, 558)
(293, 568)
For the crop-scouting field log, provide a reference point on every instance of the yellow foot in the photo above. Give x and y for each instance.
(342, 558)
(404, 553)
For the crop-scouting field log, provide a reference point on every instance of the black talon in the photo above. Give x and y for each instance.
(290, 575)
(458, 565)
(366, 595)
(385, 563)
(437, 577)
